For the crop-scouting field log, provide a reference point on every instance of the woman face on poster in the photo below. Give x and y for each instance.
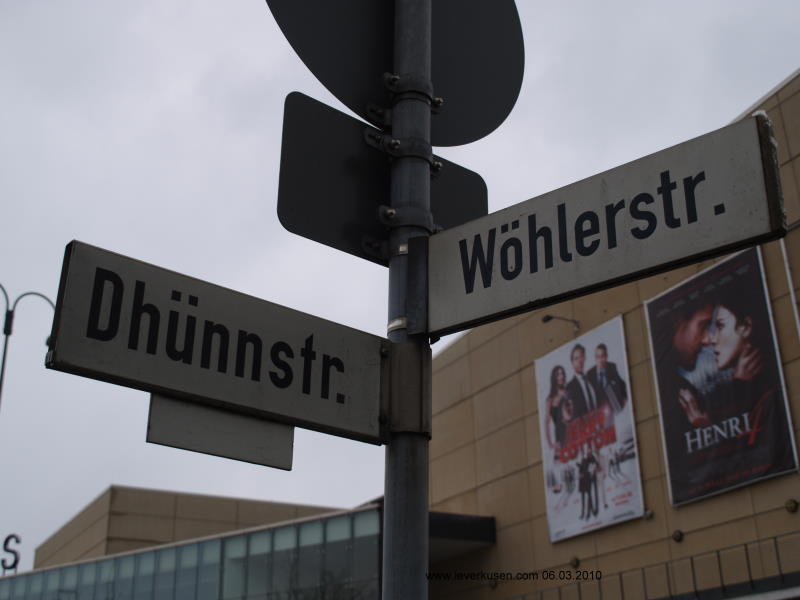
(733, 343)
(558, 381)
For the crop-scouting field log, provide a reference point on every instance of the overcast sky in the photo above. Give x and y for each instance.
(152, 129)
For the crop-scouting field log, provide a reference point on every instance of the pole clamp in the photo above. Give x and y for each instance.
(409, 388)
(404, 86)
(403, 216)
(403, 147)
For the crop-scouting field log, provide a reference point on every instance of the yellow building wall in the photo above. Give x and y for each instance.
(485, 454)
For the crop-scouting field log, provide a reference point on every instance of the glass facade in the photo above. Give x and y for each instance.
(335, 558)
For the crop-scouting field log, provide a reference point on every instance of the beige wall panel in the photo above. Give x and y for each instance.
(533, 445)
(652, 286)
(707, 572)
(651, 451)
(536, 490)
(494, 360)
(94, 552)
(786, 328)
(305, 510)
(637, 531)
(142, 527)
(734, 565)
(764, 559)
(790, 111)
(792, 241)
(537, 338)
(769, 104)
(789, 551)
(204, 507)
(776, 523)
(466, 503)
(530, 402)
(792, 87)
(776, 116)
(722, 508)
(453, 350)
(636, 343)
(550, 556)
(789, 187)
(81, 545)
(506, 499)
(773, 493)
(498, 405)
(451, 384)
(514, 550)
(657, 580)
(95, 511)
(144, 502)
(774, 269)
(712, 538)
(791, 372)
(597, 308)
(186, 529)
(484, 333)
(118, 546)
(682, 577)
(257, 513)
(452, 474)
(500, 453)
(642, 392)
(452, 428)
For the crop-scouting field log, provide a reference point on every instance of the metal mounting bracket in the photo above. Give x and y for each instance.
(407, 86)
(402, 147)
(406, 216)
(409, 388)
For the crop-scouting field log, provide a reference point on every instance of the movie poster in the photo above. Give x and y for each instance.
(589, 456)
(724, 416)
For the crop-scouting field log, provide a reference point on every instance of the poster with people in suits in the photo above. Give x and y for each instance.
(588, 434)
(725, 420)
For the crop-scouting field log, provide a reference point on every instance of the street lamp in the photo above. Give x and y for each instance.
(8, 326)
(576, 325)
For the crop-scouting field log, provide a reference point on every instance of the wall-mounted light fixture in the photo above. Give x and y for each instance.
(575, 323)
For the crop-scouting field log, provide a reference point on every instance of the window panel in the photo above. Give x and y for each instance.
(186, 578)
(259, 564)
(164, 582)
(208, 575)
(284, 560)
(145, 576)
(233, 568)
(87, 575)
(123, 584)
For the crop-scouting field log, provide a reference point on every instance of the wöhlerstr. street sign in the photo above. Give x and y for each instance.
(127, 322)
(705, 197)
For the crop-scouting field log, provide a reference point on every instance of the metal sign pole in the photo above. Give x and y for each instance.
(405, 541)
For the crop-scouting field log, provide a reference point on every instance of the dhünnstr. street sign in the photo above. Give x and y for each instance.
(702, 198)
(219, 432)
(127, 322)
(333, 183)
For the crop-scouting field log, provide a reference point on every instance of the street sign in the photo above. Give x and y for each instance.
(332, 182)
(127, 322)
(477, 57)
(705, 197)
(219, 432)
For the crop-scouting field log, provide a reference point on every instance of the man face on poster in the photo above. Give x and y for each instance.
(605, 379)
(691, 334)
(580, 390)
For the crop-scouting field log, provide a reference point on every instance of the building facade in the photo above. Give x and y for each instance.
(665, 480)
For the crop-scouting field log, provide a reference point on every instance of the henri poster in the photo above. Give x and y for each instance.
(722, 401)
(589, 456)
